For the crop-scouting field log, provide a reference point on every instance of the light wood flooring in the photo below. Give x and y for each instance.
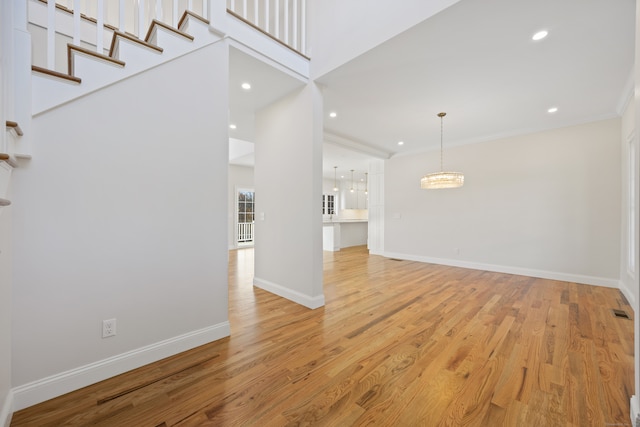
(398, 343)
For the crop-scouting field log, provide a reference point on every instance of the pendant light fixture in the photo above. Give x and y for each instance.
(335, 178)
(351, 181)
(442, 179)
(366, 183)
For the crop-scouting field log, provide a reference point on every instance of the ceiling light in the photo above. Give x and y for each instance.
(552, 110)
(335, 180)
(333, 114)
(400, 142)
(232, 126)
(246, 86)
(540, 35)
(442, 179)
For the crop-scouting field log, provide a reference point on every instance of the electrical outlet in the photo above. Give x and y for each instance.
(108, 328)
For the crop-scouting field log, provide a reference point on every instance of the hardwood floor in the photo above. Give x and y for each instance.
(399, 343)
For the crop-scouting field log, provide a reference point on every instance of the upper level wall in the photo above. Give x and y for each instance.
(340, 31)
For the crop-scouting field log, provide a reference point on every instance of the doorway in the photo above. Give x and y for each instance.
(245, 217)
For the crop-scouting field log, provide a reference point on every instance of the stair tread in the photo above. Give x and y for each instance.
(56, 74)
(15, 126)
(155, 23)
(127, 36)
(71, 48)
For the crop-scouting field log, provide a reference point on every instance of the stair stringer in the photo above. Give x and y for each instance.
(48, 92)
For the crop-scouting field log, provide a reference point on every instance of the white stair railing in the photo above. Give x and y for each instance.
(283, 19)
(131, 16)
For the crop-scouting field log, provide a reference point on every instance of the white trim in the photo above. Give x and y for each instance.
(627, 94)
(7, 410)
(361, 147)
(634, 410)
(552, 275)
(295, 296)
(38, 391)
(628, 294)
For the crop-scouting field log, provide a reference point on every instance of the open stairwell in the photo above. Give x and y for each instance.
(127, 55)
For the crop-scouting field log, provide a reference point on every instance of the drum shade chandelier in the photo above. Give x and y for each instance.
(442, 179)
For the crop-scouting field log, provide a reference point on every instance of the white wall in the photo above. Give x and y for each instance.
(628, 137)
(635, 402)
(239, 177)
(5, 314)
(5, 225)
(339, 30)
(546, 204)
(121, 214)
(288, 184)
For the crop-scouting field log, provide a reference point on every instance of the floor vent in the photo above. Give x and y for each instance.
(396, 259)
(620, 313)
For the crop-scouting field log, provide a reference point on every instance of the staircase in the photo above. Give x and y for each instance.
(88, 70)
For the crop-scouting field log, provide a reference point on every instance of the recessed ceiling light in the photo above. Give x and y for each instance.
(232, 126)
(246, 86)
(333, 114)
(540, 35)
(552, 110)
(400, 142)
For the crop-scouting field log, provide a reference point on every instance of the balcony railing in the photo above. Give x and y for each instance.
(90, 23)
(282, 19)
(245, 232)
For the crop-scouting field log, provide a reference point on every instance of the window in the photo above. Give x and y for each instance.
(246, 216)
(328, 204)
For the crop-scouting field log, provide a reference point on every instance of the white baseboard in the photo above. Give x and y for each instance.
(565, 277)
(628, 294)
(65, 382)
(291, 295)
(7, 410)
(634, 411)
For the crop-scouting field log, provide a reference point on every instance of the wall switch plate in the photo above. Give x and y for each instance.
(108, 328)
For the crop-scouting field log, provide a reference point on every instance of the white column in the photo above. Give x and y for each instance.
(174, 14)
(159, 11)
(76, 22)
(290, 264)
(141, 21)
(51, 35)
(303, 26)
(294, 25)
(286, 21)
(100, 28)
(256, 17)
(277, 19)
(121, 16)
(376, 207)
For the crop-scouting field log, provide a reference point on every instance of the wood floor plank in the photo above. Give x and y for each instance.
(398, 343)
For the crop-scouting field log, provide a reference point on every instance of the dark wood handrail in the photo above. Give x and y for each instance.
(251, 24)
(4, 156)
(15, 126)
(57, 74)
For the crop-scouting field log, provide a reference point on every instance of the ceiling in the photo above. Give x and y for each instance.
(477, 62)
